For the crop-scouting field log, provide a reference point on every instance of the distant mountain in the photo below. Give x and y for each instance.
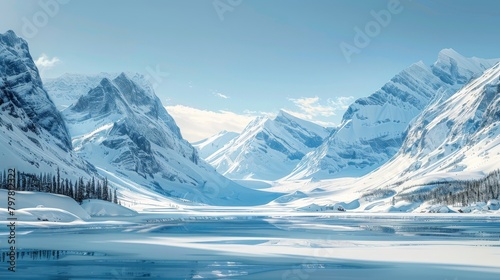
(268, 148)
(33, 137)
(212, 144)
(65, 90)
(122, 128)
(374, 128)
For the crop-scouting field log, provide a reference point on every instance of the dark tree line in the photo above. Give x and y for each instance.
(378, 194)
(462, 192)
(78, 189)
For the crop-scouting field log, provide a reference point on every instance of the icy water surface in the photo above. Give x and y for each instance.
(336, 246)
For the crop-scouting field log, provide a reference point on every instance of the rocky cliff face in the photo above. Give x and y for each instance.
(34, 136)
(122, 128)
(24, 89)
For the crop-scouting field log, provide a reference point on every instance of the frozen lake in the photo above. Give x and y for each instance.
(236, 244)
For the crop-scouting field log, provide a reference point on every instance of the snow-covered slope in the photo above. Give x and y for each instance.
(212, 144)
(33, 206)
(33, 136)
(122, 128)
(373, 128)
(459, 136)
(452, 139)
(101, 208)
(268, 148)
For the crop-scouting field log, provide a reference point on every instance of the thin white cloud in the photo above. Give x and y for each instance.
(218, 94)
(270, 115)
(320, 112)
(313, 107)
(196, 124)
(342, 102)
(45, 63)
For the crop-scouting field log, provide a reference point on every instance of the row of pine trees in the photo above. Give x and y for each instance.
(461, 193)
(78, 189)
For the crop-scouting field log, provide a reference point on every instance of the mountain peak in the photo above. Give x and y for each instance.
(123, 76)
(454, 68)
(449, 52)
(10, 38)
(285, 114)
(105, 82)
(10, 34)
(268, 148)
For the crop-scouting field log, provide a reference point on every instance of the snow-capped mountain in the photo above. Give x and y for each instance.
(65, 90)
(373, 128)
(452, 142)
(212, 144)
(34, 137)
(122, 128)
(459, 135)
(268, 148)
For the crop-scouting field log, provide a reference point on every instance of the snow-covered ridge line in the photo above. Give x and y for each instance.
(267, 148)
(374, 128)
(34, 135)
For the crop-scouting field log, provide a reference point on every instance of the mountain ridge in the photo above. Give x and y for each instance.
(268, 148)
(33, 130)
(374, 127)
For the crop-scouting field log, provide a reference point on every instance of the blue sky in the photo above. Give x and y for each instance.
(228, 60)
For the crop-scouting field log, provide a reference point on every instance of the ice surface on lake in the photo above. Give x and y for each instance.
(236, 244)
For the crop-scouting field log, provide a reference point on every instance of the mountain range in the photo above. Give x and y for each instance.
(115, 127)
(455, 138)
(373, 128)
(268, 148)
(429, 123)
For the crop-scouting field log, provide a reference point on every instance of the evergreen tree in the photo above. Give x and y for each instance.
(80, 191)
(87, 190)
(66, 187)
(71, 193)
(105, 190)
(99, 190)
(58, 182)
(92, 188)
